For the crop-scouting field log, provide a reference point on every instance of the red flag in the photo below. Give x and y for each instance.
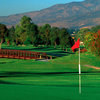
(76, 45)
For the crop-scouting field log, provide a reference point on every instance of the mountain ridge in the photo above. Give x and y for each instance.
(71, 15)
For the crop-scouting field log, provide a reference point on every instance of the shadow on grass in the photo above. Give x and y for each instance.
(59, 53)
(6, 82)
(27, 74)
(32, 49)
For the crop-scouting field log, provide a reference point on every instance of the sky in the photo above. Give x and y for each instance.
(9, 7)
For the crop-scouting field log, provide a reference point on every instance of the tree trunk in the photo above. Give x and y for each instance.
(63, 48)
(1, 43)
(66, 49)
(55, 45)
(46, 43)
(16, 42)
(8, 43)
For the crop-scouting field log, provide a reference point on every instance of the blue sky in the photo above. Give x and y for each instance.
(8, 7)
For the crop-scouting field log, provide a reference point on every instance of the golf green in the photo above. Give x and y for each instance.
(57, 87)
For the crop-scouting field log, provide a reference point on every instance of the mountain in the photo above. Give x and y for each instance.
(71, 15)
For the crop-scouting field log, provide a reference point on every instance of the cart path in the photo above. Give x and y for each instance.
(94, 67)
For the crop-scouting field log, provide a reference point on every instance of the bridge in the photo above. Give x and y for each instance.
(20, 54)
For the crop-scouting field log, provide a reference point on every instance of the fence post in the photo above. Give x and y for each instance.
(50, 57)
(40, 56)
(19, 54)
(24, 55)
(2, 53)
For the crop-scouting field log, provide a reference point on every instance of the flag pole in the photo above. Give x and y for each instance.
(79, 63)
(79, 73)
(80, 84)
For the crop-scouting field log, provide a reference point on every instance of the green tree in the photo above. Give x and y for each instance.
(18, 32)
(92, 42)
(65, 39)
(88, 39)
(33, 34)
(81, 33)
(20, 35)
(44, 32)
(54, 36)
(95, 29)
(12, 34)
(97, 42)
(41, 35)
(22, 29)
(25, 21)
(3, 33)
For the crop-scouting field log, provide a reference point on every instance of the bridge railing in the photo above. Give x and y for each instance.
(20, 54)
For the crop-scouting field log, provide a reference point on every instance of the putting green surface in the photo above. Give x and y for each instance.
(56, 79)
(51, 86)
(65, 89)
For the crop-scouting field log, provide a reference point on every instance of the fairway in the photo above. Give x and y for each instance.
(56, 79)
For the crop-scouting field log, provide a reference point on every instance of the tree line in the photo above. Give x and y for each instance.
(26, 32)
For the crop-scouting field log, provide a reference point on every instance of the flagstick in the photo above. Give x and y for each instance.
(79, 63)
(79, 73)
(79, 84)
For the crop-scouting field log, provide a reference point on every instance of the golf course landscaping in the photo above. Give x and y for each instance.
(53, 79)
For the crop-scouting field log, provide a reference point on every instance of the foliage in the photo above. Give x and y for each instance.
(12, 34)
(92, 42)
(81, 33)
(96, 43)
(18, 31)
(45, 33)
(32, 33)
(54, 36)
(88, 38)
(3, 32)
(26, 32)
(24, 22)
(95, 29)
(65, 39)
(83, 50)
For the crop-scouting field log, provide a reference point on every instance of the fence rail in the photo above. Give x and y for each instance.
(19, 54)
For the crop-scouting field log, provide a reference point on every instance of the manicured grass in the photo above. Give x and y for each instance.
(27, 92)
(56, 79)
(60, 87)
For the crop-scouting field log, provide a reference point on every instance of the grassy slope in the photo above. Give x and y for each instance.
(57, 79)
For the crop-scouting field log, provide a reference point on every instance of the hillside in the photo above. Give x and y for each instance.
(73, 15)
